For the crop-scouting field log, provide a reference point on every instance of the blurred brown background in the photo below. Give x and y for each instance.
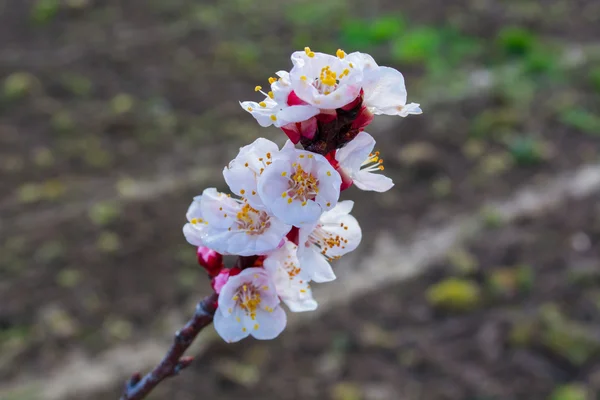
(114, 114)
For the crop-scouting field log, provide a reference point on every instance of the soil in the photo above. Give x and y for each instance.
(533, 326)
(116, 94)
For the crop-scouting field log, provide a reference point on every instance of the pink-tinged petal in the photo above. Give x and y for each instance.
(294, 100)
(370, 181)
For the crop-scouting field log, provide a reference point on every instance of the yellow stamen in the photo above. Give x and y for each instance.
(257, 88)
(340, 53)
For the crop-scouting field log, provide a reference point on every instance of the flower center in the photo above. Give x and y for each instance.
(252, 221)
(303, 186)
(326, 241)
(328, 80)
(248, 299)
(291, 268)
(372, 163)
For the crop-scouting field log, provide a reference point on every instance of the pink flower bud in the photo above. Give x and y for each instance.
(298, 130)
(222, 277)
(326, 116)
(210, 260)
(364, 118)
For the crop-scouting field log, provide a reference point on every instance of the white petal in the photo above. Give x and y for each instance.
(371, 181)
(384, 90)
(329, 187)
(353, 154)
(411, 108)
(342, 208)
(301, 302)
(194, 211)
(268, 325)
(229, 328)
(316, 266)
(293, 114)
(290, 279)
(362, 61)
(263, 115)
(193, 235)
(218, 209)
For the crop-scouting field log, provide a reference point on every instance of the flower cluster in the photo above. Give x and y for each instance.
(283, 218)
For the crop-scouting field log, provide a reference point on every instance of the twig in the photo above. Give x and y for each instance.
(138, 388)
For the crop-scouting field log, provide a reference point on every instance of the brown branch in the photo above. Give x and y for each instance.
(138, 387)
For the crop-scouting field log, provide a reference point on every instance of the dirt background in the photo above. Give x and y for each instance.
(113, 115)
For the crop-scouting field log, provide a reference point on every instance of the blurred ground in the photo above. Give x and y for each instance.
(114, 114)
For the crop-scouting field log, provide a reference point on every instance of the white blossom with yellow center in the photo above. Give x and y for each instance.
(299, 186)
(323, 80)
(335, 234)
(358, 161)
(232, 226)
(274, 109)
(249, 305)
(290, 278)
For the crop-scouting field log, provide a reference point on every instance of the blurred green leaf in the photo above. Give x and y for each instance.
(386, 28)
(594, 78)
(540, 61)
(353, 34)
(44, 10)
(417, 46)
(569, 392)
(516, 41)
(526, 151)
(582, 119)
(315, 14)
(18, 84)
(454, 294)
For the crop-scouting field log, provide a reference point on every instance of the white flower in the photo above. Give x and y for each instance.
(384, 91)
(335, 234)
(290, 278)
(248, 305)
(323, 80)
(357, 161)
(298, 186)
(231, 226)
(274, 109)
(243, 171)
